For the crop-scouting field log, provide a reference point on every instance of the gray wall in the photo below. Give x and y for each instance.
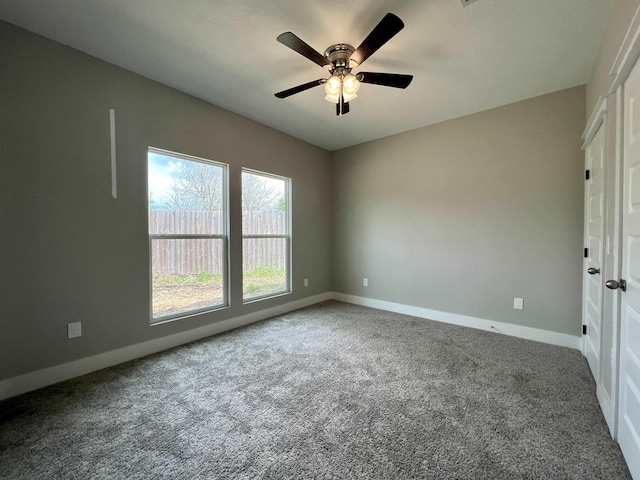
(70, 252)
(463, 216)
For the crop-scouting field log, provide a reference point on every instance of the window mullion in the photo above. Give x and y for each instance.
(265, 236)
(178, 236)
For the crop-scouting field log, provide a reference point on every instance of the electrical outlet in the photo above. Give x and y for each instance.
(365, 282)
(306, 282)
(518, 303)
(74, 329)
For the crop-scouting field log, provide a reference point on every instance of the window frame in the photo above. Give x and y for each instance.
(226, 281)
(287, 237)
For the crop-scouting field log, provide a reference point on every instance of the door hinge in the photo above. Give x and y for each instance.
(584, 329)
(587, 174)
(586, 253)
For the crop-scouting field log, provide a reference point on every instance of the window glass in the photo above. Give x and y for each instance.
(187, 234)
(266, 240)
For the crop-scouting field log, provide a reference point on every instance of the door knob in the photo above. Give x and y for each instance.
(613, 284)
(593, 271)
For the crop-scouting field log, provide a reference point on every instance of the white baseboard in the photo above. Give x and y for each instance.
(528, 333)
(58, 373)
(48, 376)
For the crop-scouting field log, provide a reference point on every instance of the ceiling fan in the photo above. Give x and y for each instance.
(342, 86)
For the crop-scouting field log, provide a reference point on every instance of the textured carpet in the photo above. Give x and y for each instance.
(330, 391)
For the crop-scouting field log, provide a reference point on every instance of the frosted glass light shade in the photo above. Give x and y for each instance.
(350, 85)
(332, 87)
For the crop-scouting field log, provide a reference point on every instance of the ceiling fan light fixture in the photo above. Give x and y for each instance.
(347, 85)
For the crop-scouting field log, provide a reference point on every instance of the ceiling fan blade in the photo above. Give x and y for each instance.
(300, 88)
(295, 43)
(387, 79)
(381, 34)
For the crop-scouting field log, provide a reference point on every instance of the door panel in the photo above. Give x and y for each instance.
(633, 267)
(629, 393)
(594, 205)
(629, 422)
(634, 180)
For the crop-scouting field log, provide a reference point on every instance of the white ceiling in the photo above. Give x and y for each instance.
(464, 60)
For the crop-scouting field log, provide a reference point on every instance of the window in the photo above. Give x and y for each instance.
(187, 234)
(266, 238)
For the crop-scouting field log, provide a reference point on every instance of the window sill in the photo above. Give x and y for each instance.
(186, 315)
(266, 297)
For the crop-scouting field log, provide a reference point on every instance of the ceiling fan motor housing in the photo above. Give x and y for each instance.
(339, 55)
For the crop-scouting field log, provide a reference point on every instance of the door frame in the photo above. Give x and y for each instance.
(612, 310)
(597, 125)
(605, 118)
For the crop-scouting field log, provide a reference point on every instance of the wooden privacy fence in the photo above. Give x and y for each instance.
(206, 255)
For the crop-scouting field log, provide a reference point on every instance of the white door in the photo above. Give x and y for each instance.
(594, 210)
(629, 390)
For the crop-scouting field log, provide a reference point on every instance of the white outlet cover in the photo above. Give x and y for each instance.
(518, 303)
(365, 282)
(306, 282)
(74, 329)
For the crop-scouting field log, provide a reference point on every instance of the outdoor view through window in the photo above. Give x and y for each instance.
(187, 234)
(265, 235)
